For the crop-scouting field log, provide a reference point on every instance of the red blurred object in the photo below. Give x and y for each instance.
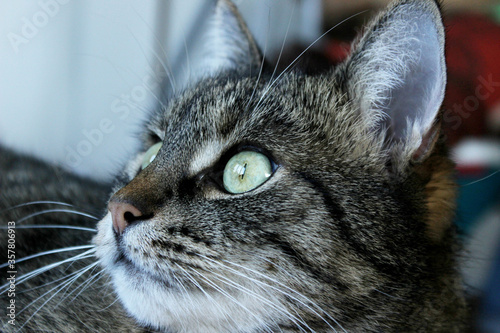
(477, 171)
(336, 50)
(473, 60)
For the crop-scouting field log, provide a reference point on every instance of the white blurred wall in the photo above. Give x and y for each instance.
(76, 77)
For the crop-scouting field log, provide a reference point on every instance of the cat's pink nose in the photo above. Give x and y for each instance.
(123, 214)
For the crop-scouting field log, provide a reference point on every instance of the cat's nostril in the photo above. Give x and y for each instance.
(123, 214)
(129, 217)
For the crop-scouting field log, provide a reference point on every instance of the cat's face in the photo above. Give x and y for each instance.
(274, 204)
(285, 230)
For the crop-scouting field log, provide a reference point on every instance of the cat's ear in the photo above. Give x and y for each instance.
(229, 44)
(397, 76)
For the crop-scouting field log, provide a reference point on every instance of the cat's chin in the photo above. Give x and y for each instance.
(174, 310)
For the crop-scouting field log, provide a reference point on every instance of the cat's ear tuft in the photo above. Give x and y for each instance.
(397, 76)
(229, 44)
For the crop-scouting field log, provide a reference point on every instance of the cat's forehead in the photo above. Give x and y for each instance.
(213, 104)
(248, 106)
(283, 117)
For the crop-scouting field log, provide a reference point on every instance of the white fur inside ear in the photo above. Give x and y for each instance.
(414, 103)
(399, 72)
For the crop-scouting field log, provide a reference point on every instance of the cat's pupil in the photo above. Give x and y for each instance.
(240, 169)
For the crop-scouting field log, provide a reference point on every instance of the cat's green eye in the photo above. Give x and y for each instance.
(150, 155)
(246, 171)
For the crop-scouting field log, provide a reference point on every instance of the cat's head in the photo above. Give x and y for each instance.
(263, 202)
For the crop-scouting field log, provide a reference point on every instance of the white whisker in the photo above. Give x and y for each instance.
(57, 211)
(270, 85)
(33, 274)
(260, 69)
(164, 63)
(51, 226)
(294, 319)
(37, 203)
(84, 285)
(480, 180)
(279, 290)
(284, 42)
(166, 69)
(291, 296)
(65, 249)
(193, 280)
(66, 284)
(226, 294)
(48, 283)
(388, 295)
(21, 279)
(188, 62)
(112, 303)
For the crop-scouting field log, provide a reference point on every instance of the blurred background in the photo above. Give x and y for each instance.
(77, 77)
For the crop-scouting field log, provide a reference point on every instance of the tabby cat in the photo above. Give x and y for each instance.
(258, 203)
